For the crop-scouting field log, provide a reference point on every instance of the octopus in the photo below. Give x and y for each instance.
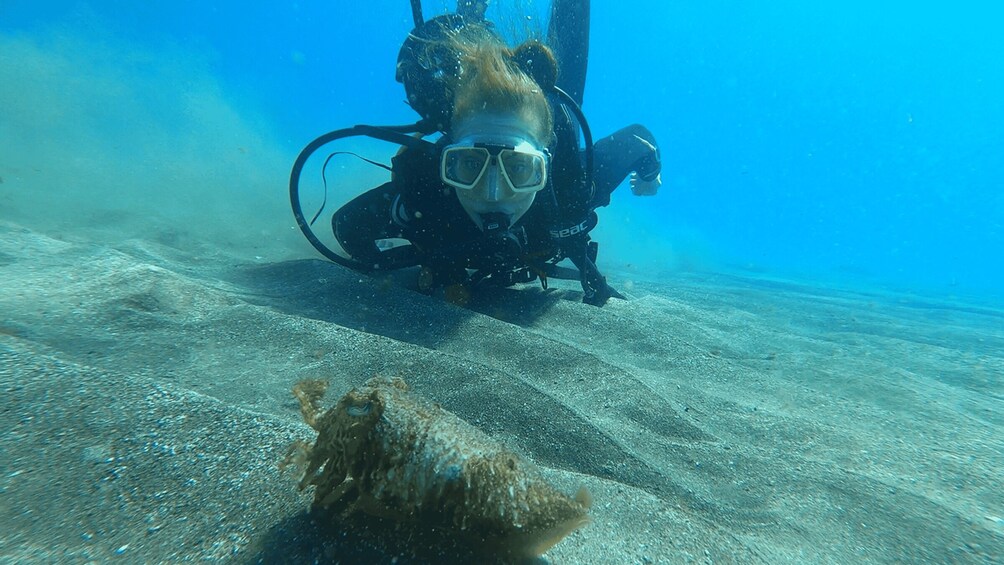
(386, 452)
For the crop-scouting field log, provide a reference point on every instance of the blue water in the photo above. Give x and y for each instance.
(847, 142)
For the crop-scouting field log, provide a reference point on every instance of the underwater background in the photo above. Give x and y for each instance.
(851, 143)
(808, 367)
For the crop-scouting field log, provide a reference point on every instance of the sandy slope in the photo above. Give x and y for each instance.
(146, 403)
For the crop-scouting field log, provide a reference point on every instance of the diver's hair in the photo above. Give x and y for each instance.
(497, 79)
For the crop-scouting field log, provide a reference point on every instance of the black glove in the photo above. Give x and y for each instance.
(595, 290)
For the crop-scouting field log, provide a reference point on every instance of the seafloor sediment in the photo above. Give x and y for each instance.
(146, 406)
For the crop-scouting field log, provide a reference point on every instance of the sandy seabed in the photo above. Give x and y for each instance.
(146, 403)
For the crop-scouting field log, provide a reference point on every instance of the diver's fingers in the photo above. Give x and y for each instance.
(645, 187)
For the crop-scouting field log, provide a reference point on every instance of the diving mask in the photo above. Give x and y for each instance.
(522, 167)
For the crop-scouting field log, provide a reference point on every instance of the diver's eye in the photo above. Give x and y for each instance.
(523, 169)
(472, 165)
(463, 166)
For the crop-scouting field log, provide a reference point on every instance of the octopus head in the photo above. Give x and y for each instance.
(357, 413)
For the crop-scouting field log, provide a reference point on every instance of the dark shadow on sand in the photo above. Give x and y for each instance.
(326, 537)
(386, 304)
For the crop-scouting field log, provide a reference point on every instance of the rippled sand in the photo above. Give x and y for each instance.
(146, 404)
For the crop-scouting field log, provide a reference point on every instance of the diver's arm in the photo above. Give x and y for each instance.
(568, 37)
(368, 219)
(631, 150)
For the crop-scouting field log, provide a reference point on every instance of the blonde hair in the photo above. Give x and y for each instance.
(494, 79)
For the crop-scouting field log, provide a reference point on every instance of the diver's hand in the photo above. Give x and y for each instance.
(601, 294)
(595, 290)
(645, 187)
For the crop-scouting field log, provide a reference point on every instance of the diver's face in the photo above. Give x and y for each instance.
(496, 166)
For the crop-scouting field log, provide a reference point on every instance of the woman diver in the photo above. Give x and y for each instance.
(506, 192)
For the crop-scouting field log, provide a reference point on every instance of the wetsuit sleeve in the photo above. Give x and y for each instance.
(568, 37)
(631, 149)
(387, 212)
(368, 218)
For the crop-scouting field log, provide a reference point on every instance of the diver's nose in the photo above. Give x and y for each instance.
(494, 192)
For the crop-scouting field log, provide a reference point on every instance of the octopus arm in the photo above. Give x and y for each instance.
(549, 538)
(537, 543)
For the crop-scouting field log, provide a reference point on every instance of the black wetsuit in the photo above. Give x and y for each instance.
(418, 207)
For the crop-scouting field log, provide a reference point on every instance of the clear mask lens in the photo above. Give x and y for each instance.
(464, 167)
(523, 171)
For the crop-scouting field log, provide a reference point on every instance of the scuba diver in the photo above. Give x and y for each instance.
(506, 192)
